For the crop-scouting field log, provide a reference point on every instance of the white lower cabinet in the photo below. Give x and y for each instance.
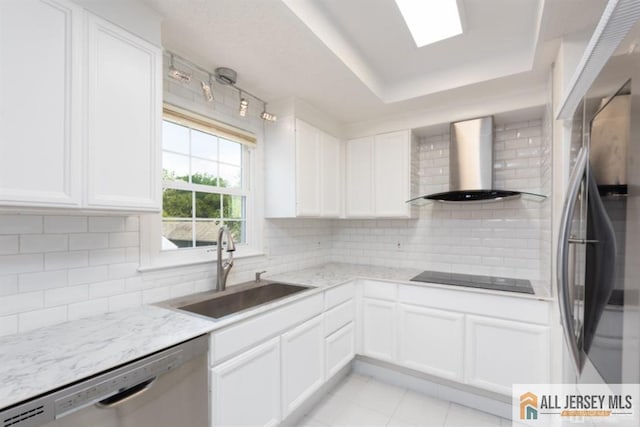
(302, 363)
(339, 349)
(378, 329)
(499, 353)
(431, 341)
(245, 391)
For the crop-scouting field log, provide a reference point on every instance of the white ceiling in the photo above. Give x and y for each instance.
(355, 59)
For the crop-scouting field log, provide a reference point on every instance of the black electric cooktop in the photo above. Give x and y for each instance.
(473, 281)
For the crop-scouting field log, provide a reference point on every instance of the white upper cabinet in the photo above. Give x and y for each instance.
(124, 101)
(80, 131)
(379, 173)
(302, 171)
(40, 80)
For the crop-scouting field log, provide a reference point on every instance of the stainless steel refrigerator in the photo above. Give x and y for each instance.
(599, 241)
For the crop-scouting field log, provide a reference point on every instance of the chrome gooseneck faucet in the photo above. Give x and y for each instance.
(224, 268)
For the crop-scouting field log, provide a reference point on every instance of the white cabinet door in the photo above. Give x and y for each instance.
(302, 363)
(359, 197)
(245, 391)
(431, 341)
(40, 153)
(307, 170)
(330, 188)
(392, 167)
(123, 111)
(499, 353)
(378, 329)
(340, 349)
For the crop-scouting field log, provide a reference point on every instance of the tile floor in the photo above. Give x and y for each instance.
(363, 401)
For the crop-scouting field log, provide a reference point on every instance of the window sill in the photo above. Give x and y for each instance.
(165, 264)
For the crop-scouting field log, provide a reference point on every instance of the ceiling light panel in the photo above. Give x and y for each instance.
(430, 21)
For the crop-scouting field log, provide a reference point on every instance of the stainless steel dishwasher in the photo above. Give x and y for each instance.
(168, 388)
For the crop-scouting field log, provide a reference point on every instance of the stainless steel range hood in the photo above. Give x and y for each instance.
(471, 165)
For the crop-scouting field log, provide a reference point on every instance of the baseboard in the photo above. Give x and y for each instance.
(482, 400)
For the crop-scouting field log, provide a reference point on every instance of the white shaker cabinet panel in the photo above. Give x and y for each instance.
(330, 167)
(307, 170)
(431, 341)
(302, 171)
(302, 363)
(340, 349)
(360, 178)
(499, 353)
(123, 112)
(378, 329)
(40, 84)
(245, 391)
(392, 167)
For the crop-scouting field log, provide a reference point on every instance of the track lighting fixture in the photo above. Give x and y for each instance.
(221, 75)
(207, 91)
(244, 106)
(266, 115)
(179, 75)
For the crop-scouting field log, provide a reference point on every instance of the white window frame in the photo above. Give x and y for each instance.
(152, 257)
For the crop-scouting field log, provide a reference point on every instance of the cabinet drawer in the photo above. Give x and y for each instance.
(339, 316)
(506, 307)
(235, 338)
(379, 290)
(339, 349)
(337, 295)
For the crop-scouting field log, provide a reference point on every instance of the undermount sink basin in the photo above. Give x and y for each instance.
(222, 305)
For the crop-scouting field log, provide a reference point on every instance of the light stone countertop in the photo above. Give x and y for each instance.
(35, 362)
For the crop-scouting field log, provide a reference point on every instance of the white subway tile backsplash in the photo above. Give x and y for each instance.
(8, 285)
(8, 325)
(62, 260)
(12, 264)
(107, 224)
(40, 243)
(66, 295)
(9, 245)
(29, 282)
(65, 224)
(88, 308)
(39, 318)
(122, 301)
(79, 276)
(124, 239)
(18, 303)
(107, 256)
(107, 288)
(20, 224)
(122, 271)
(88, 241)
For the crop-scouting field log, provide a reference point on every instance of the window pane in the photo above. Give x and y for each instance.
(206, 232)
(204, 145)
(175, 138)
(176, 203)
(230, 152)
(175, 167)
(204, 172)
(237, 229)
(233, 207)
(176, 233)
(230, 176)
(207, 205)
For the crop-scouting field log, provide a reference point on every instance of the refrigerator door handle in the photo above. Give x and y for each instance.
(564, 299)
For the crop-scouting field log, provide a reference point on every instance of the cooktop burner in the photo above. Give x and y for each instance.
(473, 281)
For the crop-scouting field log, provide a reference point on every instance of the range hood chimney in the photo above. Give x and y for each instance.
(471, 165)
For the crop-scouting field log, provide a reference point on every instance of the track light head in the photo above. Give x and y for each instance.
(179, 75)
(244, 106)
(207, 92)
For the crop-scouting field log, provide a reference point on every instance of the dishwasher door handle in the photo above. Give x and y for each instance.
(126, 395)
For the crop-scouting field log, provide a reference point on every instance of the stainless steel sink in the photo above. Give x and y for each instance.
(224, 304)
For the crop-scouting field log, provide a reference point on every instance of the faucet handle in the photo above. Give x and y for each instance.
(259, 273)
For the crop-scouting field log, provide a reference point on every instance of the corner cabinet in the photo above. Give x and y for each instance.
(303, 169)
(83, 134)
(379, 171)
